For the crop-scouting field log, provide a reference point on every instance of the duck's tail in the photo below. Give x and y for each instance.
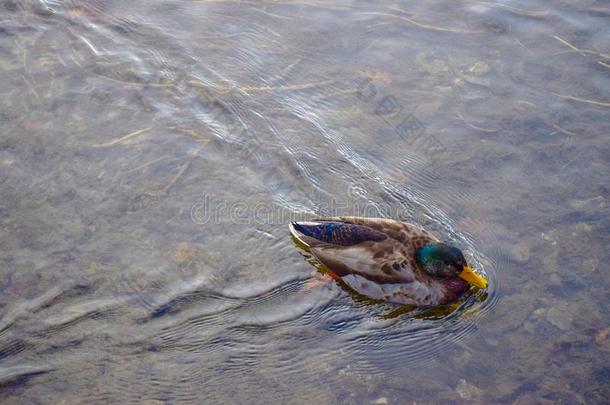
(302, 231)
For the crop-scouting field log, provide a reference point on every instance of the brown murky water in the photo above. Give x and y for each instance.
(153, 152)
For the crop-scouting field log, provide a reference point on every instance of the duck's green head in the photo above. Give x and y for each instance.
(444, 261)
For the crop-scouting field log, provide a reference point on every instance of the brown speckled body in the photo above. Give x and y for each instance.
(376, 257)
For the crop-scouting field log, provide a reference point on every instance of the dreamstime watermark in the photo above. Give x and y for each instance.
(208, 211)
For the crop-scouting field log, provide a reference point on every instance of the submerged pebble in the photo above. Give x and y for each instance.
(560, 317)
(468, 391)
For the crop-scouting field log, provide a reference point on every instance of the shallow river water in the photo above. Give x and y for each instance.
(152, 154)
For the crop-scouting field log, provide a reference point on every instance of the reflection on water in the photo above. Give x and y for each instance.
(152, 154)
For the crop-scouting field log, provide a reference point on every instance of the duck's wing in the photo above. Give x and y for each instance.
(401, 231)
(347, 248)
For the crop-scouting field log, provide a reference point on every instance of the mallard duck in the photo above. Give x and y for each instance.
(389, 260)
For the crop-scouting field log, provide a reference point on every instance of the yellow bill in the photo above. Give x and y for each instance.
(473, 278)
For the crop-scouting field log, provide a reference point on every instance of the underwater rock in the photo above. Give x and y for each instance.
(601, 338)
(183, 252)
(528, 399)
(521, 252)
(602, 335)
(467, 391)
(513, 312)
(560, 318)
(427, 63)
(478, 68)
(153, 402)
(589, 204)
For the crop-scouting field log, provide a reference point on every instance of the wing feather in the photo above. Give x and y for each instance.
(380, 262)
(398, 230)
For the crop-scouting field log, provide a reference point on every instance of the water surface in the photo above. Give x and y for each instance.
(152, 154)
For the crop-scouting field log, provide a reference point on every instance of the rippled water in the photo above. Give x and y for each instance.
(152, 154)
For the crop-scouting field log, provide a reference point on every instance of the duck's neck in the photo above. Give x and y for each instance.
(454, 288)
